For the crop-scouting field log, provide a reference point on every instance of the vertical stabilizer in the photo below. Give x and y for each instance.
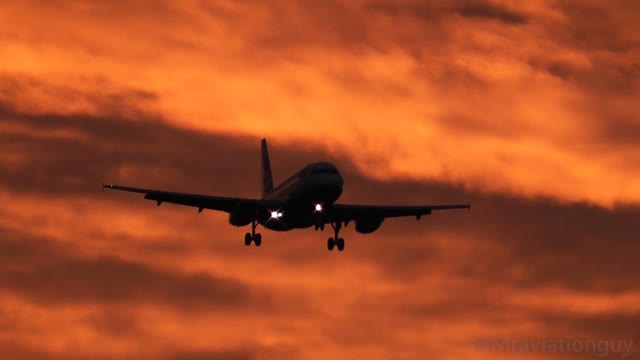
(267, 180)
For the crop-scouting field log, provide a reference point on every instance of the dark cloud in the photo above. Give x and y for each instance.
(434, 12)
(562, 70)
(125, 137)
(489, 11)
(576, 246)
(621, 131)
(601, 77)
(114, 320)
(216, 355)
(592, 25)
(239, 353)
(618, 325)
(106, 97)
(15, 351)
(45, 273)
(554, 241)
(109, 143)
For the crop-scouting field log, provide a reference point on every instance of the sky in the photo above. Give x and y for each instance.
(527, 110)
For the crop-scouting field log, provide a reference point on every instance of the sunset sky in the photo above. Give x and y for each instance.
(526, 109)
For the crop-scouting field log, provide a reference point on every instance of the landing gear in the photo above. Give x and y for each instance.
(331, 243)
(258, 239)
(252, 236)
(336, 241)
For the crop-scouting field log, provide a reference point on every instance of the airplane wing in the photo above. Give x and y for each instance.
(353, 212)
(220, 203)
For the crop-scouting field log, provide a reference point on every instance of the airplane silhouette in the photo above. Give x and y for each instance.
(305, 199)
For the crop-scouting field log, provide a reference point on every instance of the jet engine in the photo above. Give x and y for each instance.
(242, 215)
(368, 224)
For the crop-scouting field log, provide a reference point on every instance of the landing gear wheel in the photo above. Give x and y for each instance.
(330, 244)
(258, 239)
(336, 241)
(253, 236)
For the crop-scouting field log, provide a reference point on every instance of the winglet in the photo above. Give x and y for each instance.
(469, 207)
(102, 188)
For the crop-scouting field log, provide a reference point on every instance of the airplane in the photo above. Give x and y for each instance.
(308, 198)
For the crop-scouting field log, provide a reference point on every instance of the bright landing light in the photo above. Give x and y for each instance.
(318, 207)
(276, 214)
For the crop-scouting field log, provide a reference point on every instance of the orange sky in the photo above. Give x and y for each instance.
(526, 109)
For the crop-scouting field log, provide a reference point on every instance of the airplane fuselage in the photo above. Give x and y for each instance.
(318, 184)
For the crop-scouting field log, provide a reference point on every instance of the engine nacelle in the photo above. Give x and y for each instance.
(368, 224)
(243, 215)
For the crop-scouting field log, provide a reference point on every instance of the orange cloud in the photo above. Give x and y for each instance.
(526, 110)
(532, 101)
(133, 279)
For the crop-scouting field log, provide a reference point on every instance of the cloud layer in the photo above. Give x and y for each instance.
(525, 110)
(542, 94)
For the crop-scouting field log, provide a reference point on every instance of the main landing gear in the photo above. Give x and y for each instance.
(252, 236)
(336, 241)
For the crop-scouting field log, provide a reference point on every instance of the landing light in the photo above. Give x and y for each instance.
(318, 207)
(276, 214)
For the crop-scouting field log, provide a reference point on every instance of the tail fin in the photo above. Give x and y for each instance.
(267, 180)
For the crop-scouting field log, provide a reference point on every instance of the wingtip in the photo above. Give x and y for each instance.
(469, 207)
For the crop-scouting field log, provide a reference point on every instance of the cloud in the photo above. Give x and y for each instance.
(410, 273)
(37, 270)
(14, 351)
(360, 74)
(491, 11)
(525, 111)
(436, 13)
(214, 355)
(547, 238)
